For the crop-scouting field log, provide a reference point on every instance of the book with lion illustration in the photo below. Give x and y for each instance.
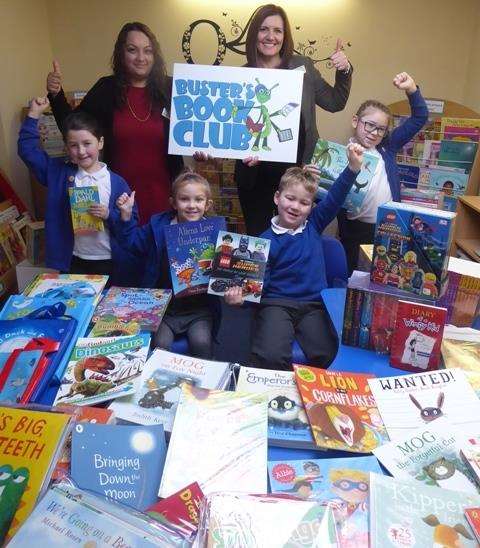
(341, 409)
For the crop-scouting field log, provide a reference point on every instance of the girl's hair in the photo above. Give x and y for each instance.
(189, 176)
(296, 175)
(258, 18)
(157, 84)
(373, 103)
(80, 120)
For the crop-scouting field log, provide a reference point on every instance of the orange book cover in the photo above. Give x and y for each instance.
(473, 518)
(29, 441)
(342, 411)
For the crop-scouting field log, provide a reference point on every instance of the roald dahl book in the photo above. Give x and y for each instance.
(81, 198)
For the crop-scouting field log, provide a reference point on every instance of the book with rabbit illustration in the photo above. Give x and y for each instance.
(409, 402)
(431, 455)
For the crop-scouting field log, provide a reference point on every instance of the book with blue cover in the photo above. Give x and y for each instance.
(121, 462)
(191, 250)
(66, 286)
(459, 154)
(81, 198)
(343, 482)
(331, 159)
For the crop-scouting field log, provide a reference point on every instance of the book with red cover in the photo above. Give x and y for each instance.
(473, 518)
(417, 336)
(341, 409)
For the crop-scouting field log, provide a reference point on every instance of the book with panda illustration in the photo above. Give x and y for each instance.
(431, 455)
(287, 422)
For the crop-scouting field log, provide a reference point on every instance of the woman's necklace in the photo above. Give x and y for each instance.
(137, 117)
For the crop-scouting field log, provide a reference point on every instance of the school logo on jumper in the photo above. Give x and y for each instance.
(235, 112)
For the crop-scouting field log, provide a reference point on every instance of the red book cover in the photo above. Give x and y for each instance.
(417, 336)
(383, 322)
(473, 518)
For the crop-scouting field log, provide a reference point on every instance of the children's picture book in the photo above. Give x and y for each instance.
(191, 250)
(457, 154)
(331, 158)
(101, 369)
(408, 402)
(431, 151)
(431, 455)
(472, 515)
(417, 337)
(120, 462)
(408, 175)
(236, 460)
(457, 133)
(341, 409)
(35, 241)
(159, 387)
(407, 513)
(29, 443)
(412, 243)
(66, 286)
(81, 198)
(470, 123)
(144, 306)
(113, 328)
(287, 422)
(240, 260)
(343, 482)
(470, 453)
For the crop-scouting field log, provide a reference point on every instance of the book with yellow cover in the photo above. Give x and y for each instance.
(81, 198)
(458, 122)
(29, 443)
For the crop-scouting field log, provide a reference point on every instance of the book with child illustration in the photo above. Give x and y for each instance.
(191, 250)
(240, 260)
(341, 409)
(81, 198)
(142, 305)
(331, 158)
(66, 286)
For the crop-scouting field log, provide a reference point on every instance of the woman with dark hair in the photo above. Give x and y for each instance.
(269, 44)
(131, 105)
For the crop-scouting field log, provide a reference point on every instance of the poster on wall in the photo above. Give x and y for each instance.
(235, 112)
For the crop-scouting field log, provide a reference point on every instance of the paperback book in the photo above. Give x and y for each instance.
(470, 453)
(66, 286)
(472, 516)
(113, 328)
(457, 154)
(81, 198)
(191, 250)
(457, 133)
(341, 409)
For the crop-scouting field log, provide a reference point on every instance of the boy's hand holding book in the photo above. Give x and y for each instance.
(125, 205)
(405, 82)
(37, 107)
(355, 156)
(234, 296)
(99, 210)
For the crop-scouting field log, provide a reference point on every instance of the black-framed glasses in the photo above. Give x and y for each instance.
(370, 127)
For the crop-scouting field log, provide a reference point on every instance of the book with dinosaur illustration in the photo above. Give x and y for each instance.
(341, 409)
(287, 422)
(158, 389)
(407, 513)
(144, 306)
(29, 443)
(431, 455)
(121, 462)
(66, 286)
(343, 482)
(331, 158)
(101, 369)
(191, 250)
(409, 402)
(81, 198)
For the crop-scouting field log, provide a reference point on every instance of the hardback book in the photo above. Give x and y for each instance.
(423, 197)
(431, 455)
(407, 513)
(341, 409)
(35, 242)
(459, 154)
(81, 198)
(114, 328)
(408, 175)
(446, 121)
(239, 260)
(155, 400)
(235, 460)
(408, 402)
(30, 442)
(144, 306)
(12, 244)
(191, 250)
(457, 133)
(331, 159)
(66, 286)
(412, 244)
(287, 422)
(431, 151)
(417, 337)
(120, 462)
(472, 515)
(343, 482)
(102, 369)
(470, 454)
(67, 516)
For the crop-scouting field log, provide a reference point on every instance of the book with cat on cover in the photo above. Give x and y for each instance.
(341, 409)
(144, 306)
(81, 198)
(408, 402)
(407, 513)
(29, 443)
(431, 455)
(66, 286)
(417, 336)
(159, 387)
(219, 439)
(343, 482)
(287, 422)
(191, 250)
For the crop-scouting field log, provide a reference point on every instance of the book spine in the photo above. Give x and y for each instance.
(348, 317)
(366, 321)
(357, 315)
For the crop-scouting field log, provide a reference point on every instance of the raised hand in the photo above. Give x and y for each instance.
(338, 58)
(54, 79)
(405, 82)
(355, 156)
(125, 205)
(314, 171)
(251, 161)
(38, 106)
